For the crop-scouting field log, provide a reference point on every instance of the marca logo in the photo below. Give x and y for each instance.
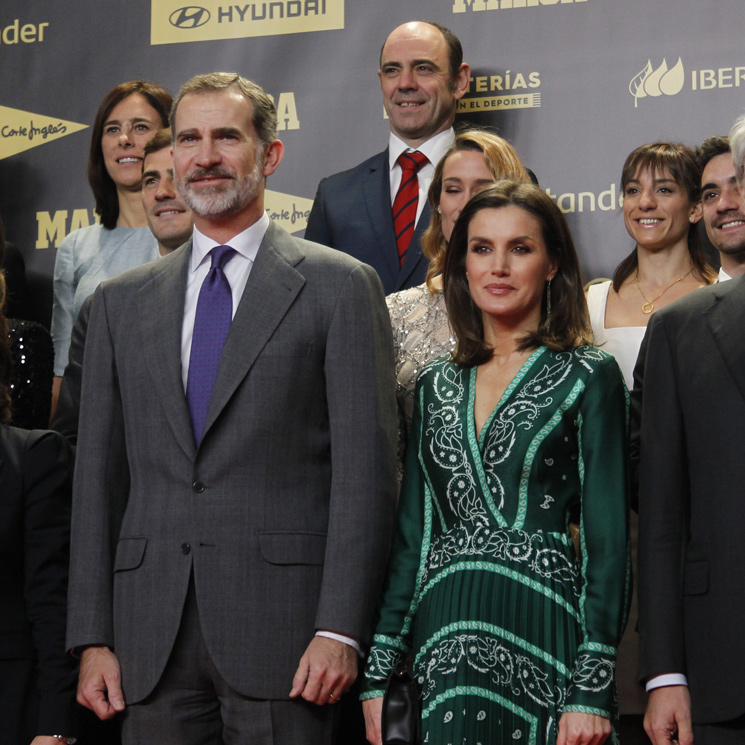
(507, 90)
(657, 82)
(191, 16)
(22, 130)
(173, 23)
(461, 6)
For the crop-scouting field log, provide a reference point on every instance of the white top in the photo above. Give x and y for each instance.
(723, 276)
(434, 149)
(622, 342)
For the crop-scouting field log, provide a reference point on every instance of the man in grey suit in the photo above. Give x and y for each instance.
(422, 76)
(235, 482)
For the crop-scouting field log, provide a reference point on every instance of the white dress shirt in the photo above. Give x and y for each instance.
(434, 149)
(246, 246)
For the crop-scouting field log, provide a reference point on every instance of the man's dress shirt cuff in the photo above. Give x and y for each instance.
(344, 639)
(668, 679)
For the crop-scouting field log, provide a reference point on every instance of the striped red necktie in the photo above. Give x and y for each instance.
(407, 200)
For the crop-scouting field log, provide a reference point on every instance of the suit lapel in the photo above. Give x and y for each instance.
(377, 193)
(271, 289)
(726, 318)
(161, 319)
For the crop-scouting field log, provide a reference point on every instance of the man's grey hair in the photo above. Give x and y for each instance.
(737, 145)
(264, 112)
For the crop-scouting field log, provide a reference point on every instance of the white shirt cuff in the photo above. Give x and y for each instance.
(667, 679)
(344, 639)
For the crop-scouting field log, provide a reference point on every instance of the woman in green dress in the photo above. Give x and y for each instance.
(512, 630)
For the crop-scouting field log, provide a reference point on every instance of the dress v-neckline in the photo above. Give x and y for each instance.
(508, 391)
(476, 444)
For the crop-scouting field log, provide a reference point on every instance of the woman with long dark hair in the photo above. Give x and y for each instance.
(128, 117)
(661, 184)
(512, 630)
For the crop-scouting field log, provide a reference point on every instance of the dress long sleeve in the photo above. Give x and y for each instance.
(604, 564)
(392, 639)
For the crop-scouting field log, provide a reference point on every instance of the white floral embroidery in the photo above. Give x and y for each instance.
(505, 667)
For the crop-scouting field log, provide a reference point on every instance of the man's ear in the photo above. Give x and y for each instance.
(273, 154)
(462, 81)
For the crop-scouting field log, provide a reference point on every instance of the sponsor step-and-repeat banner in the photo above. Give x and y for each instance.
(575, 85)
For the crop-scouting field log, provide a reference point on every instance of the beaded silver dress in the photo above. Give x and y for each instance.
(421, 333)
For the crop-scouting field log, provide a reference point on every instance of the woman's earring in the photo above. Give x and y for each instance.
(548, 304)
(692, 219)
(439, 211)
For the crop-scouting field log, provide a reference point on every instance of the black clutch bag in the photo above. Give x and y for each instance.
(401, 719)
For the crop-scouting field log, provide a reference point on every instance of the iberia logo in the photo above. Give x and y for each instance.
(172, 22)
(657, 82)
(22, 130)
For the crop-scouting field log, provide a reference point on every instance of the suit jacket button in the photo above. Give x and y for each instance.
(198, 487)
(185, 548)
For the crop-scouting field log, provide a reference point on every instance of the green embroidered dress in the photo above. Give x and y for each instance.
(508, 627)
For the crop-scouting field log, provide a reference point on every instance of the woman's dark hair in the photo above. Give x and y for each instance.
(104, 189)
(683, 165)
(503, 163)
(6, 359)
(569, 323)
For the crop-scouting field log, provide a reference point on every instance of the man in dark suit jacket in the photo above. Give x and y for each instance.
(228, 556)
(691, 549)
(422, 76)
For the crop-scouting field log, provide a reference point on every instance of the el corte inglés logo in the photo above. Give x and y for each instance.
(22, 130)
(172, 22)
(659, 81)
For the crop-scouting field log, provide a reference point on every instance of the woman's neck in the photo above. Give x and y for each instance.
(660, 268)
(131, 211)
(505, 337)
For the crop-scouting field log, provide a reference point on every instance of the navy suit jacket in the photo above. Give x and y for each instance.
(352, 213)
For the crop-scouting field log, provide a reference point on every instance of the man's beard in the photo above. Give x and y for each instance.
(222, 201)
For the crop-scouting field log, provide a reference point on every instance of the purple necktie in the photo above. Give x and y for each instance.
(211, 326)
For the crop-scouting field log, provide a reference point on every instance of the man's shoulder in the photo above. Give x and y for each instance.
(352, 175)
(694, 306)
(314, 256)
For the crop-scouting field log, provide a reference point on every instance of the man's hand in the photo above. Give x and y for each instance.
(99, 684)
(372, 708)
(576, 728)
(668, 712)
(325, 672)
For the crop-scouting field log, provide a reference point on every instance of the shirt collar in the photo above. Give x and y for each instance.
(434, 148)
(246, 243)
(723, 276)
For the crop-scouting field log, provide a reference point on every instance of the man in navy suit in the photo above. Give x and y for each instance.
(422, 77)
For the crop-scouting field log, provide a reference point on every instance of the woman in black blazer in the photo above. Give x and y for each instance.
(37, 678)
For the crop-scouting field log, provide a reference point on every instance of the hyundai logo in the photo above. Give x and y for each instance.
(190, 16)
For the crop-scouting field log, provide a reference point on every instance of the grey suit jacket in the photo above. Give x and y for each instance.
(692, 498)
(283, 514)
(352, 213)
